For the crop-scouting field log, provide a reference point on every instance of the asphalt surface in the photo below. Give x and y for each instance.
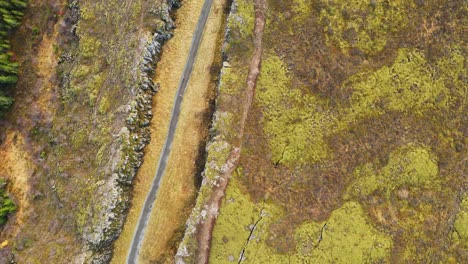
(139, 234)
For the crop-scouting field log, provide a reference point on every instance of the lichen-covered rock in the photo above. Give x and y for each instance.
(109, 212)
(218, 149)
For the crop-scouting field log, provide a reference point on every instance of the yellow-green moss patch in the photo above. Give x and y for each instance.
(363, 24)
(232, 80)
(89, 46)
(104, 105)
(238, 216)
(412, 166)
(347, 237)
(410, 84)
(461, 222)
(243, 18)
(294, 121)
(79, 138)
(303, 10)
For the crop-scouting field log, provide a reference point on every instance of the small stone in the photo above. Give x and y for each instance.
(403, 193)
(145, 123)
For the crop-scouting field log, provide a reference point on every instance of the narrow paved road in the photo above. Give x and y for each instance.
(150, 199)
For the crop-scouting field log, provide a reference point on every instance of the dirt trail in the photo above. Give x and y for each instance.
(206, 227)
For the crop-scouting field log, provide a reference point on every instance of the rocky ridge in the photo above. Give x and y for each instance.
(127, 150)
(213, 166)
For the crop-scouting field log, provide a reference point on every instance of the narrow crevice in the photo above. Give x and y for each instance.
(282, 156)
(284, 149)
(369, 255)
(321, 235)
(250, 236)
(456, 231)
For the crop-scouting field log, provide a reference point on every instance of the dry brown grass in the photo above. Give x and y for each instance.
(46, 56)
(178, 186)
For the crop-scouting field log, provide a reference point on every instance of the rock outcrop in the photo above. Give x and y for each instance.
(128, 146)
(218, 149)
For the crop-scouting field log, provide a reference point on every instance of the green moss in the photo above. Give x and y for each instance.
(461, 223)
(402, 194)
(347, 229)
(401, 190)
(407, 85)
(303, 10)
(104, 105)
(294, 121)
(89, 46)
(347, 237)
(101, 155)
(244, 19)
(94, 88)
(87, 13)
(232, 80)
(363, 24)
(81, 71)
(452, 71)
(81, 216)
(79, 138)
(237, 216)
(411, 166)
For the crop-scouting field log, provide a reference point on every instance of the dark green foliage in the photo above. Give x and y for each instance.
(5, 102)
(10, 17)
(6, 204)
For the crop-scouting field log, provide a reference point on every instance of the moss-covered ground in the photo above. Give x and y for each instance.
(355, 149)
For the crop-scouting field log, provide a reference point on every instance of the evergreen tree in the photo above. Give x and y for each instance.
(6, 204)
(11, 13)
